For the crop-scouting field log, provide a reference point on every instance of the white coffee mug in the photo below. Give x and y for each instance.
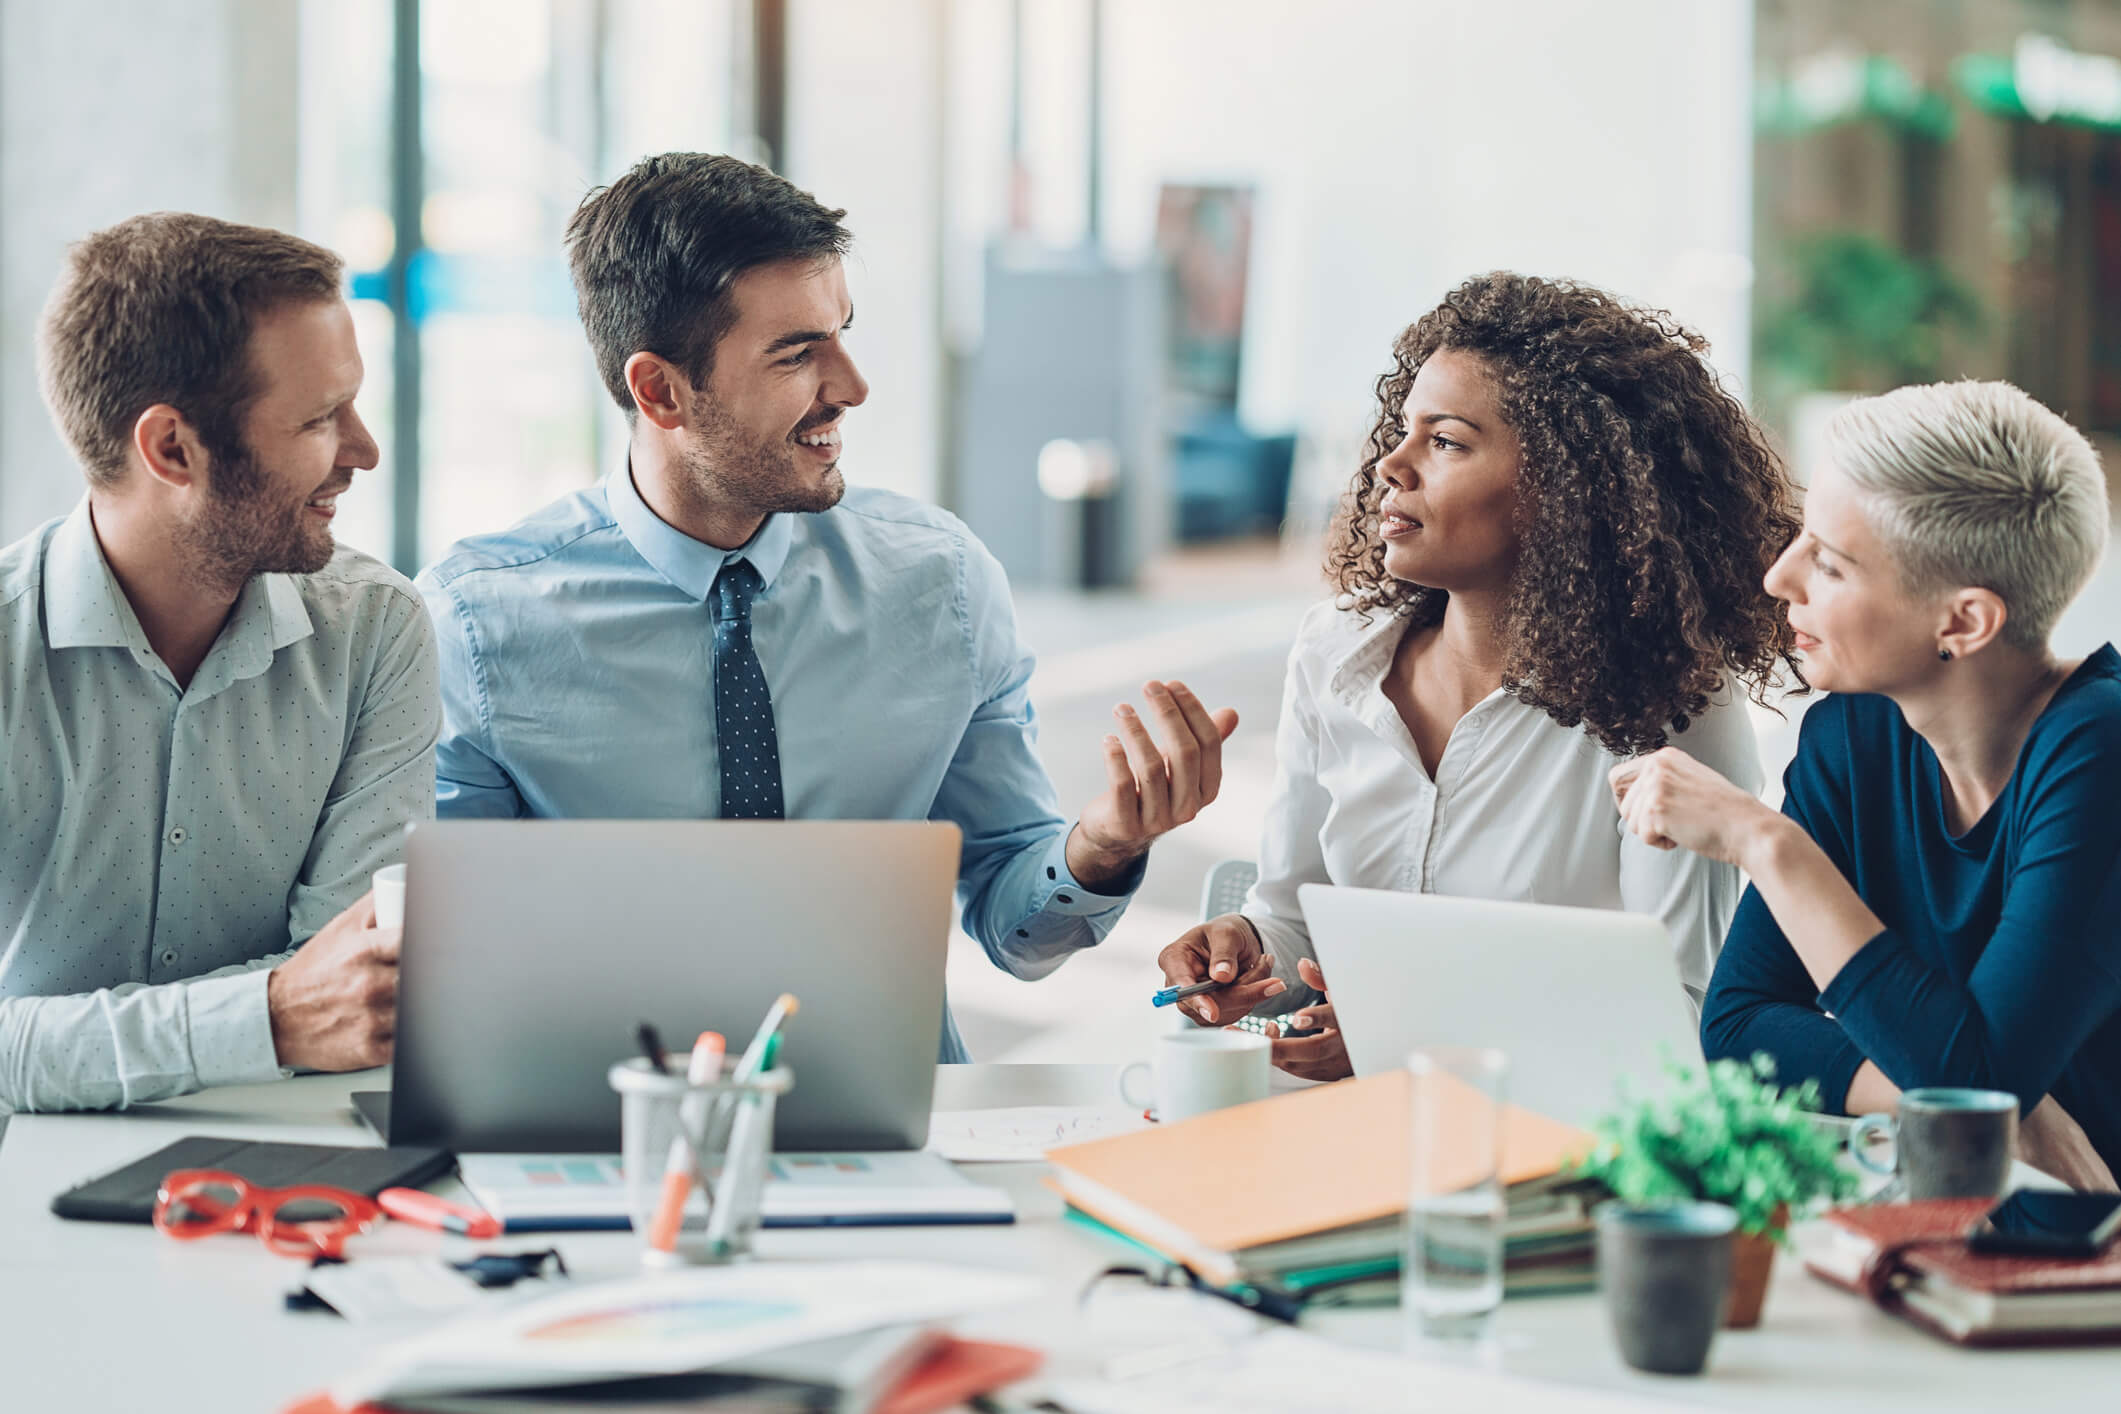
(389, 884)
(1202, 1070)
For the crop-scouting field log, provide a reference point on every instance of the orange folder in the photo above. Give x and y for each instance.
(1206, 1189)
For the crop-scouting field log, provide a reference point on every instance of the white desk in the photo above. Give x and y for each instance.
(115, 1317)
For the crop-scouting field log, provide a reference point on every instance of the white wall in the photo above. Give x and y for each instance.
(865, 105)
(1400, 147)
(108, 110)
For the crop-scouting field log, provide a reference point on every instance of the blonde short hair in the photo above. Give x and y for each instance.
(1977, 484)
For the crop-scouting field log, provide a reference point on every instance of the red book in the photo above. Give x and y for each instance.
(1969, 1298)
(956, 1372)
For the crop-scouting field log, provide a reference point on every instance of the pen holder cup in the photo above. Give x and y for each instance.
(671, 1132)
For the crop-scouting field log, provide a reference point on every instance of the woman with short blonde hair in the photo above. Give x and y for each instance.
(1937, 903)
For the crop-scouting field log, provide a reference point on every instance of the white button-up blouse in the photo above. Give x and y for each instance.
(1519, 808)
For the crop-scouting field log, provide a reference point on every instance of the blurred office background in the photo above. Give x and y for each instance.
(1127, 269)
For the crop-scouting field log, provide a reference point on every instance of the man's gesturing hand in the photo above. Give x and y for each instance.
(1158, 782)
(1224, 949)
(334, 1003)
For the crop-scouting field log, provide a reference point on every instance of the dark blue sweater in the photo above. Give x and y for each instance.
(2000, 963)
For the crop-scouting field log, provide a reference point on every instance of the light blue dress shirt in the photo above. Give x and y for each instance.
(162, 848)
(577, 682)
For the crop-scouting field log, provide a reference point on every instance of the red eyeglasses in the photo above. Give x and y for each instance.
(307, 1220)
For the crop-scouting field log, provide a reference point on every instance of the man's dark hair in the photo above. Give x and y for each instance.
(159, 309)
(655, 255)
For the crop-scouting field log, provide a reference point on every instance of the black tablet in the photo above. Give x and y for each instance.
(127, 1195)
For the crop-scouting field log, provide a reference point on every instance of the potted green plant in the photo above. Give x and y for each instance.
(1727, 1134)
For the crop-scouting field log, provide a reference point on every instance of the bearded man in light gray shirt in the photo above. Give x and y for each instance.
(214, 726)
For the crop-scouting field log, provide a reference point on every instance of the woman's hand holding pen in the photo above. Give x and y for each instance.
(1224, 950)
(1322, 1053)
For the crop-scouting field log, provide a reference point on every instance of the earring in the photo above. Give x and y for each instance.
(1944, 655)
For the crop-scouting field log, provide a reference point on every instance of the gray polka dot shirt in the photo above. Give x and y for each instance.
(161, 849)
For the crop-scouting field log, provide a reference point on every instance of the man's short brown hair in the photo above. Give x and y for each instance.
(159, 309)
(655, 255)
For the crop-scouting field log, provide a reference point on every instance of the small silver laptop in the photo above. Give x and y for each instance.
(1579, 998)
(534, 949)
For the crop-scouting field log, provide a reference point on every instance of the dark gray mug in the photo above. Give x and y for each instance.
(1947, 1143)
(1666, 1273)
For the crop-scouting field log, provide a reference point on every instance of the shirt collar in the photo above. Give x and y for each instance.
(1360, 671)
(85, 608)
(290, 616)
(692, 564)
(1357, 680)
(269, 615)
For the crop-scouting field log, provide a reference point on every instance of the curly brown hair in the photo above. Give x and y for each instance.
(1650, 507)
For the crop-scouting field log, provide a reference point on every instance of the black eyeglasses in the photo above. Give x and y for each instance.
(1268, 1301)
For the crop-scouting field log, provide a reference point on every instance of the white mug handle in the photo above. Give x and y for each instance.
(1127, 1074)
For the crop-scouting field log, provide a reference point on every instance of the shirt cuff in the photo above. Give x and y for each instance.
(1061, 892)
(230, 1025)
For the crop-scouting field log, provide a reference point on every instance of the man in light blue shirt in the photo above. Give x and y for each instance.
(723, 629)
(213, 728)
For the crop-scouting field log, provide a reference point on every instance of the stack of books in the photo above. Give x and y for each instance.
(1966, 1297)
(1304, 1193)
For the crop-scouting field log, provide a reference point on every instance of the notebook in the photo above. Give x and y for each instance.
(127, 1195)
(669, 1324)
(1966, 1297)
(1298, 1179)
(563, 1192)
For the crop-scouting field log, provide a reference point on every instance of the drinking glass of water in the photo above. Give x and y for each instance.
(1451, 1278)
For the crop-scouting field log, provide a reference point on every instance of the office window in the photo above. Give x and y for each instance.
(522, 106)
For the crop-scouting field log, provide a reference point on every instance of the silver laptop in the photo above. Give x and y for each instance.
(1577, 997)
(535, 949)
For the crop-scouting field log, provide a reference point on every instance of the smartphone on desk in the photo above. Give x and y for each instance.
(2037, 1223)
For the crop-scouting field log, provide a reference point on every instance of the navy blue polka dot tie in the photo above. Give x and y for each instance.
(743, 710)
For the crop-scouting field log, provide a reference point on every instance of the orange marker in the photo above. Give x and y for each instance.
(705, 1065)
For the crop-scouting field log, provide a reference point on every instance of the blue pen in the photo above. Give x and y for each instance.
(1178, 994)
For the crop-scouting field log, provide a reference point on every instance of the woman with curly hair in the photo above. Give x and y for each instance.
(1549, 562)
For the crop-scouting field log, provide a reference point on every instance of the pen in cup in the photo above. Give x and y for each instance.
(652, 1048)
(758, 1057)
(693, 1110)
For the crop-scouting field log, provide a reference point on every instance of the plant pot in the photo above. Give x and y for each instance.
(1752, 1262)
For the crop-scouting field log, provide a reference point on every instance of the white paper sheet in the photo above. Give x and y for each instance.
(1025, 1133)
(1290, 1372)
(672, 1323)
